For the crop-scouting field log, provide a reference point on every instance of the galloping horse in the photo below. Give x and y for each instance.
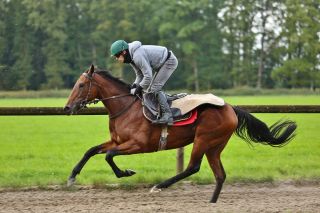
(132, 133)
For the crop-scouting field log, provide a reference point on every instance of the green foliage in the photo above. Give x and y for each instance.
(219, 43)
(294, 72)
(300, 54)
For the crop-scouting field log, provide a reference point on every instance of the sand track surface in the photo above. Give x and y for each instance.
(186, 197)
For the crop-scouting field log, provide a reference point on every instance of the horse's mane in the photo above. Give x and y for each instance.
(106, 74)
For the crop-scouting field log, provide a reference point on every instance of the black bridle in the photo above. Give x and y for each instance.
(84, 103)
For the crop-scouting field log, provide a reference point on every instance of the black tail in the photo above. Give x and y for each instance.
(252, 129)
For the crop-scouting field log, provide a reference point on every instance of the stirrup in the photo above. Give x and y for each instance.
(169, 122)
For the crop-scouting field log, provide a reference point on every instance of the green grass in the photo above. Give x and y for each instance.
(36, 102)
(234, 100)
(274, 100)
(42, 150)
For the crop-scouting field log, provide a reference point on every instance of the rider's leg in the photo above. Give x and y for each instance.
(166, 114)
(162, 76)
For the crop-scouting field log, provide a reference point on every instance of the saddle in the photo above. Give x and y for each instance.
(183, 106)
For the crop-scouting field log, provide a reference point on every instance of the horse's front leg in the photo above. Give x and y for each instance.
(103, 148)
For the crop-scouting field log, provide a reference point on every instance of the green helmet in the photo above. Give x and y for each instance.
(118, 46)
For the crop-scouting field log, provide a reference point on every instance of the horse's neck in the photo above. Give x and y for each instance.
(110, 88)
(108, 93)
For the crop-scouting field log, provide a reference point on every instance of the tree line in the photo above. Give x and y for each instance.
(219, 43)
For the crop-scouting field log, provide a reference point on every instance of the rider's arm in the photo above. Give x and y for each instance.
(145, 69)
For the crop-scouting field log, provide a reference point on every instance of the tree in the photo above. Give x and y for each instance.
(267, 25)
(50, 17)
(236, 23)
(219, 43)
(301, 48)
(23, 42)
(191, 26)
(250, 30)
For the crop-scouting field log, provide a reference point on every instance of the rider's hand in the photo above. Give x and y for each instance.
(137, 90)
(134, 85)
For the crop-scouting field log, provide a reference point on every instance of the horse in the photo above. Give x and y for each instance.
(132, 133)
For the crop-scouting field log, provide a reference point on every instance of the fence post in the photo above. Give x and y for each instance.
(180, 160)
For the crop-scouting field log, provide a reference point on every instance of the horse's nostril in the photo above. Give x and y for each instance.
(66, 108)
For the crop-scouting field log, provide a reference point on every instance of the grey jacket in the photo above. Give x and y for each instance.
(146, 58)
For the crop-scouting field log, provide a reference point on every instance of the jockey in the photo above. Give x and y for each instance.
(145, 59)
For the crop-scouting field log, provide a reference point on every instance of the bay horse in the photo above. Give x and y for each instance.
(132, 133)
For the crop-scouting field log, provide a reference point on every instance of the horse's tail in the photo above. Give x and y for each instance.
(252, 129)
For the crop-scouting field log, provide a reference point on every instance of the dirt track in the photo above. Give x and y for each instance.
(180, 198)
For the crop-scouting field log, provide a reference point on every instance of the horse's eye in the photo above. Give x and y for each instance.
(81, 85)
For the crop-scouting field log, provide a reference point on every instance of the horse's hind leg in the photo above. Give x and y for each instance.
(91, 152)
(213, 156)
(192, 168)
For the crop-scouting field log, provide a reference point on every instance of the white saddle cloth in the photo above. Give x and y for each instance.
(189, 102)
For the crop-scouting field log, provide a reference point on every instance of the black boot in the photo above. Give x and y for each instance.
(166, 113)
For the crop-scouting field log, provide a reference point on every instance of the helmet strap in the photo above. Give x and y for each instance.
(127, 57)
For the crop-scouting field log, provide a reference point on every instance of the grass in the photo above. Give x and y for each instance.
(234, 100)
(40, 150)
(237, 91)
(274, 100)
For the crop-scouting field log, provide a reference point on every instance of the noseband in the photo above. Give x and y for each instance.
(85, 102)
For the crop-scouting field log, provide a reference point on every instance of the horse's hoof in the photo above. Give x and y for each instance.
(71, 182)
(125, 173)
(155, 189)
(129, 172)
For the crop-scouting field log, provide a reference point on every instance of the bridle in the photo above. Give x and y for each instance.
(84, 103)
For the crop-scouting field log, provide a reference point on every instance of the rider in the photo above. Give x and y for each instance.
(144, 59)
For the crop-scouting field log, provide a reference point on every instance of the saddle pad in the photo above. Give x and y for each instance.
(193, 118)
(190, 102)
(176, 118)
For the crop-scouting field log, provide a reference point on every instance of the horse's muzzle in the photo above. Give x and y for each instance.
(67, 109)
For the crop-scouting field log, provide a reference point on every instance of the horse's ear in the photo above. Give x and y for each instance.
(91, 69)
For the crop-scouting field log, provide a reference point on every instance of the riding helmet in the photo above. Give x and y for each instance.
(118, 46)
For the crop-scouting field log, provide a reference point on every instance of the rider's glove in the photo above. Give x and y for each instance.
(137, 90)
(134, 85)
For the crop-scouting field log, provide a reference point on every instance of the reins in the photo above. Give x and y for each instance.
(97, 100)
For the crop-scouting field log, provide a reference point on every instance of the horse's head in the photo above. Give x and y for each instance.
(84, 91)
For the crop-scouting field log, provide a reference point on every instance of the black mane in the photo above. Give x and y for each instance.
(106, 74)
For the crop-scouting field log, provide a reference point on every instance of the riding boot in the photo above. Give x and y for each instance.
(166, 113)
